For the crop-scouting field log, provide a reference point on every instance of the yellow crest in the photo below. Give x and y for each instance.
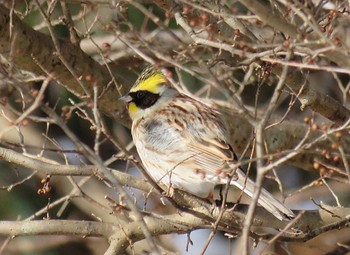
(149, 80)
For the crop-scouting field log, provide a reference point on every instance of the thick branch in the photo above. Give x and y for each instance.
(284, 137)
(69, 170)
(35, 52)
(186, 202)
(317, 101)
(55, 227)
(195, 214)
(311, 224)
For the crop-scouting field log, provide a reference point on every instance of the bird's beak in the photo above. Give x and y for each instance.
(127, 98)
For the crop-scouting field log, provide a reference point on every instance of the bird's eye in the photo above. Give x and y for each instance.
(140, 94)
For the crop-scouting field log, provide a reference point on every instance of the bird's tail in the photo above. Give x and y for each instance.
(266, 200)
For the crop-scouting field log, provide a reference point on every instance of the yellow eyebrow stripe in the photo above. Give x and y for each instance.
(151, 83)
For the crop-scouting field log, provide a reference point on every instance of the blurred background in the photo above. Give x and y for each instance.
(126, 36)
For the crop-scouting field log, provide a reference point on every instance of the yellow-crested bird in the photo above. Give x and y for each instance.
(182, 142)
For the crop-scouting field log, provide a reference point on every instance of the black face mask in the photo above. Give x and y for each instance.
(144, 99)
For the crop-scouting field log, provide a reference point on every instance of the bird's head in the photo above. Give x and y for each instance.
(149, 90)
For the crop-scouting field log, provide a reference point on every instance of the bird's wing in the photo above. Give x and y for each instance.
(205, 135)
(210, 155)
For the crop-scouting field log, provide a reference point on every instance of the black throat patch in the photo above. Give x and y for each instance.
(144, 99)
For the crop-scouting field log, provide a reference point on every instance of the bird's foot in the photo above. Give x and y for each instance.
(169, 192)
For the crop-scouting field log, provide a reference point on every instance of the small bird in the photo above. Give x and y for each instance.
(182, 142)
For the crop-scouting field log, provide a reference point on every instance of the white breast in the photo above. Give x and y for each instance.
(167, 159)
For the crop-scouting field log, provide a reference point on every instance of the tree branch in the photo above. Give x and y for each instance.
(31, 47)
(35, 52)
(265, 15)
(69, 170)
(189, 204)
(56, 227)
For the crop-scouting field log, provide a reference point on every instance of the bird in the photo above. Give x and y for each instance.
(183, 142)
